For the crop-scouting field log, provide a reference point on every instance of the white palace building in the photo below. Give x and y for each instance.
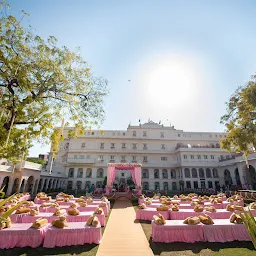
(168, 156)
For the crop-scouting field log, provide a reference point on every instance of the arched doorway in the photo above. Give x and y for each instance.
(15, 185)
(22, 185)
(227, 178)
(251, 176)
(29, 185)
(35, 187)
(5, 183)
(238, 181)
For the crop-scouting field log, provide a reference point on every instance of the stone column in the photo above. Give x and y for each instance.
(46, 184)
(25, 184)
(42, 185)
(19, 185)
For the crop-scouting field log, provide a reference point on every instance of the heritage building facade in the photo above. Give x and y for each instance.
(167, 156)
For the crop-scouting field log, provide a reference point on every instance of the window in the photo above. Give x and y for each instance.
(205, 157)
(101, 158)
(191, 157)
(208, 173)
(178, 135)
(157, 186)
(122, 174)
(81, 156)
(156, 174)
(80, 173)
(123, 145)
(201, 173)
(215, 173)
(122, 159)
(83, 145)
(210, 184)
(198, 157)
(173, 174)
(145, 174)
(162, 134)
(112, 157)
(123, 133)
(134, 146)
(75, 156)
(144, 146)
(144, 134)
(188, 184)
(133, 159)
(163, 146)
(112, 145)
(212, 157)
(134, 133)
(145, 159)
(102, 145)
(187, 173)
(195, 184)
(185, 157)
(165, 174)
(163, 158)
(194, 173)
(71, 173)
(202, 184)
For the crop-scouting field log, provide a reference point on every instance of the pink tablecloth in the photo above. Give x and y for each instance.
(184, 213)
(224, 231)
(25, 198)
(147, 214)
(21, 235)
(75, 234)
(46, 215)
(176, 231)
(84, 216)
(17, 218)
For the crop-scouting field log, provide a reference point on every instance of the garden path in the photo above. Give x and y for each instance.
(122, 236)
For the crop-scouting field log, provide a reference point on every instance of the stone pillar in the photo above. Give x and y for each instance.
(42, 186)
(19, 185)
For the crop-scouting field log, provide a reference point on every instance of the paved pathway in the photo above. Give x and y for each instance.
(123, 237)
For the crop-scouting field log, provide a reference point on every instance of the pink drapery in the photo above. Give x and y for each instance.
(135, 171)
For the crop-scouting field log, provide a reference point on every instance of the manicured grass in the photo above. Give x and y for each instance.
(81, 250)
(235, 248)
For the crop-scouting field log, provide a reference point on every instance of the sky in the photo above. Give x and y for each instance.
(177, 62)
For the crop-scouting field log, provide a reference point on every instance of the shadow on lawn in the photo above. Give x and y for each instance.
(159, 248)
(72, 250)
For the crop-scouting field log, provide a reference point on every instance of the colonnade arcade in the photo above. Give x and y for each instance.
(29, 184)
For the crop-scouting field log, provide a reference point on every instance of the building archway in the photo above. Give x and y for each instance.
(5, 184)
(29, 184)
(22, 185)
(250, 176)
(227, 178)
(238, 180)
(15, 185)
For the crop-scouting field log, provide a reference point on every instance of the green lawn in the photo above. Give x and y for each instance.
(81, 250)
(203, 249)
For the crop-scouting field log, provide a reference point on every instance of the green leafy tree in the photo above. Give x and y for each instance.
(41, 82)
(239, 120)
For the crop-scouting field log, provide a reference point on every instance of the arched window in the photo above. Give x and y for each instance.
(88, 173)
(71, 172)
(145, 186)
(187, 173)
(227, 177)
(79, 185)
(208, 173)
(100, 173)
(99, 184)
(201, 173)
(156, 174)
(215, 173)
(165, 185)
(70, 184)
(194, 173)
(145, 174)
(165, 174)
(173, 174)
(80, 173)
(87, 185)
(174, 185)
(157, 186)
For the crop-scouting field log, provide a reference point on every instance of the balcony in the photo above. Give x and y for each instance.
(80, 161)
(112, 161)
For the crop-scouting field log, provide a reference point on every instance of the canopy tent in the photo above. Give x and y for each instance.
(135, 171)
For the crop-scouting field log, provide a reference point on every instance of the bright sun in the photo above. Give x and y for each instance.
(171, 83)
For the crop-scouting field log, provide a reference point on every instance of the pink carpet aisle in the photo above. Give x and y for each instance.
(75, 234)
(21, 235)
